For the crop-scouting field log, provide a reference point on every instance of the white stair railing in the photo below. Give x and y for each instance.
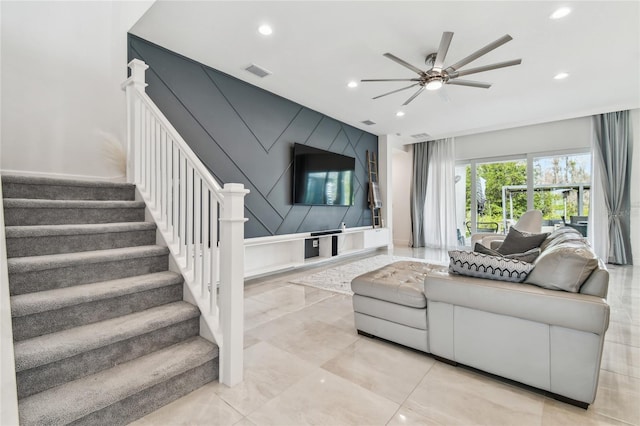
(184, 200)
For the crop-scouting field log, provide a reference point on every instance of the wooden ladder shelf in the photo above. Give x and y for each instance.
(375, 202)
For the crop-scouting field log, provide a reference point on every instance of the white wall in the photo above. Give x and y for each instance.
(402, 172)
(556, 135)
(386, 144)
(62, 65)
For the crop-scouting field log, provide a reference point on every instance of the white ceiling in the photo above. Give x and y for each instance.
(318, 47)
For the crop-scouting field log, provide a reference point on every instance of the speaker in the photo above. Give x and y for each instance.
(311, 247)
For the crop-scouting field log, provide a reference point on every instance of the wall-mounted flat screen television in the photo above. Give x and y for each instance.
(321, 177)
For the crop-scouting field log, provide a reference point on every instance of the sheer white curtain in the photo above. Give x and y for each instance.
(440, 203)
(598, 231)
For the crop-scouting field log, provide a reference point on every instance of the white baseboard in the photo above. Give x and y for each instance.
(27, 173)
(401, 243)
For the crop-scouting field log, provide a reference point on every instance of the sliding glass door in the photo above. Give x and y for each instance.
(496, 192)
(562, 185)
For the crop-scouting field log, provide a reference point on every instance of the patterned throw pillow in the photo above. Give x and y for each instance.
(492, 267)
(528, 256)
(519, 242)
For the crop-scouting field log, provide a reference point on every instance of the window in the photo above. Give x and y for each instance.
(502, 189)
(562, 185)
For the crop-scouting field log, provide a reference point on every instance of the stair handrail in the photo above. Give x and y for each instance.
(8, 389)
(184, 198)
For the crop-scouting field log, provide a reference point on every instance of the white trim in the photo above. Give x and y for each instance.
(8, 390)
(52, 175)
(401, 243)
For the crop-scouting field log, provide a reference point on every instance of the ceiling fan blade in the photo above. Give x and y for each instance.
(475, 55)
(404, 63)
(444, 95)
(486, 68)
(469, 83)
(395, 91)
(445, 41)
(415, 95)
(388, 79)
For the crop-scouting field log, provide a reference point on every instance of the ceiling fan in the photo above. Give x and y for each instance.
(437, 75)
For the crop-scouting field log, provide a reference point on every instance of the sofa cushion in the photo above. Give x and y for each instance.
(561, 235)
(520, 242)
(532, 303)
(492, 267)
(564, 266)
(528, 256)
(400, 282)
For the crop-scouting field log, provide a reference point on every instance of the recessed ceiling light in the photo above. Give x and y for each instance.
(265, 29)
(560, 13)
(352, 84)
(561, 76)
(399, 113)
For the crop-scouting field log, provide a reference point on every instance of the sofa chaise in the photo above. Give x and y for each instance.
(547, 331)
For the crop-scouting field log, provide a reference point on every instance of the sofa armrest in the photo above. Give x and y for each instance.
(571, 310)
(486, 239)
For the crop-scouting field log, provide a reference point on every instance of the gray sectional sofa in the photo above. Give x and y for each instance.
(532, 332)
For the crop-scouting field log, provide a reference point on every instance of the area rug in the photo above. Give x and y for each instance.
(338, 279)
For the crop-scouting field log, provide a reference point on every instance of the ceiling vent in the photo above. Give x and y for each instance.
(258, 70)
(368, 122)
(420, 136)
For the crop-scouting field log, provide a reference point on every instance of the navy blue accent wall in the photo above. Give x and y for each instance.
(245, 134)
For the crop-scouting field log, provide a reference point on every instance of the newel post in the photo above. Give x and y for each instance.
(231, 301)
(136, 82)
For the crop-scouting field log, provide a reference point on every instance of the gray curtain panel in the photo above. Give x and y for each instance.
(419, 193)
(613, 152)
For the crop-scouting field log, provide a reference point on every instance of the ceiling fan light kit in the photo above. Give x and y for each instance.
(437, 75)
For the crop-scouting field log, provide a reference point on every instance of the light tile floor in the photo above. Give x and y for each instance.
(305, 365)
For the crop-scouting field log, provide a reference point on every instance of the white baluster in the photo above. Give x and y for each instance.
(204, 273)
(197, 228)
(213, 258)
(166, 173)
(183, 206)
(175, 219)
(189, 237)
(152, 162)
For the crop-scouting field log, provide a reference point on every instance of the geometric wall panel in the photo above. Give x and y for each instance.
(245, 134)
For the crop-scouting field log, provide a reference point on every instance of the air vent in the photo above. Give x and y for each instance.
(368, 122)
(420, 136)
(258, 70)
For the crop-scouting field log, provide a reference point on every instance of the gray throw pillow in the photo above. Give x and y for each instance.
(490, 267)
(520, 242)
(564, 266)
(528, 256)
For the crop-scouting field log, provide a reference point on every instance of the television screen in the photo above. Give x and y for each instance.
(321, 177)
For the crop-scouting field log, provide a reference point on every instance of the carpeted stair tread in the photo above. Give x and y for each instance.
(15, 186)
(52, 347)
(18, 265)
(42, 301)
(41, 240)
(76, 229)
(37, 180)
(75, 400)
(71, 204)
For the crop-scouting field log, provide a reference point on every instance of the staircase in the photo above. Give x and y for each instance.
(101, 333)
